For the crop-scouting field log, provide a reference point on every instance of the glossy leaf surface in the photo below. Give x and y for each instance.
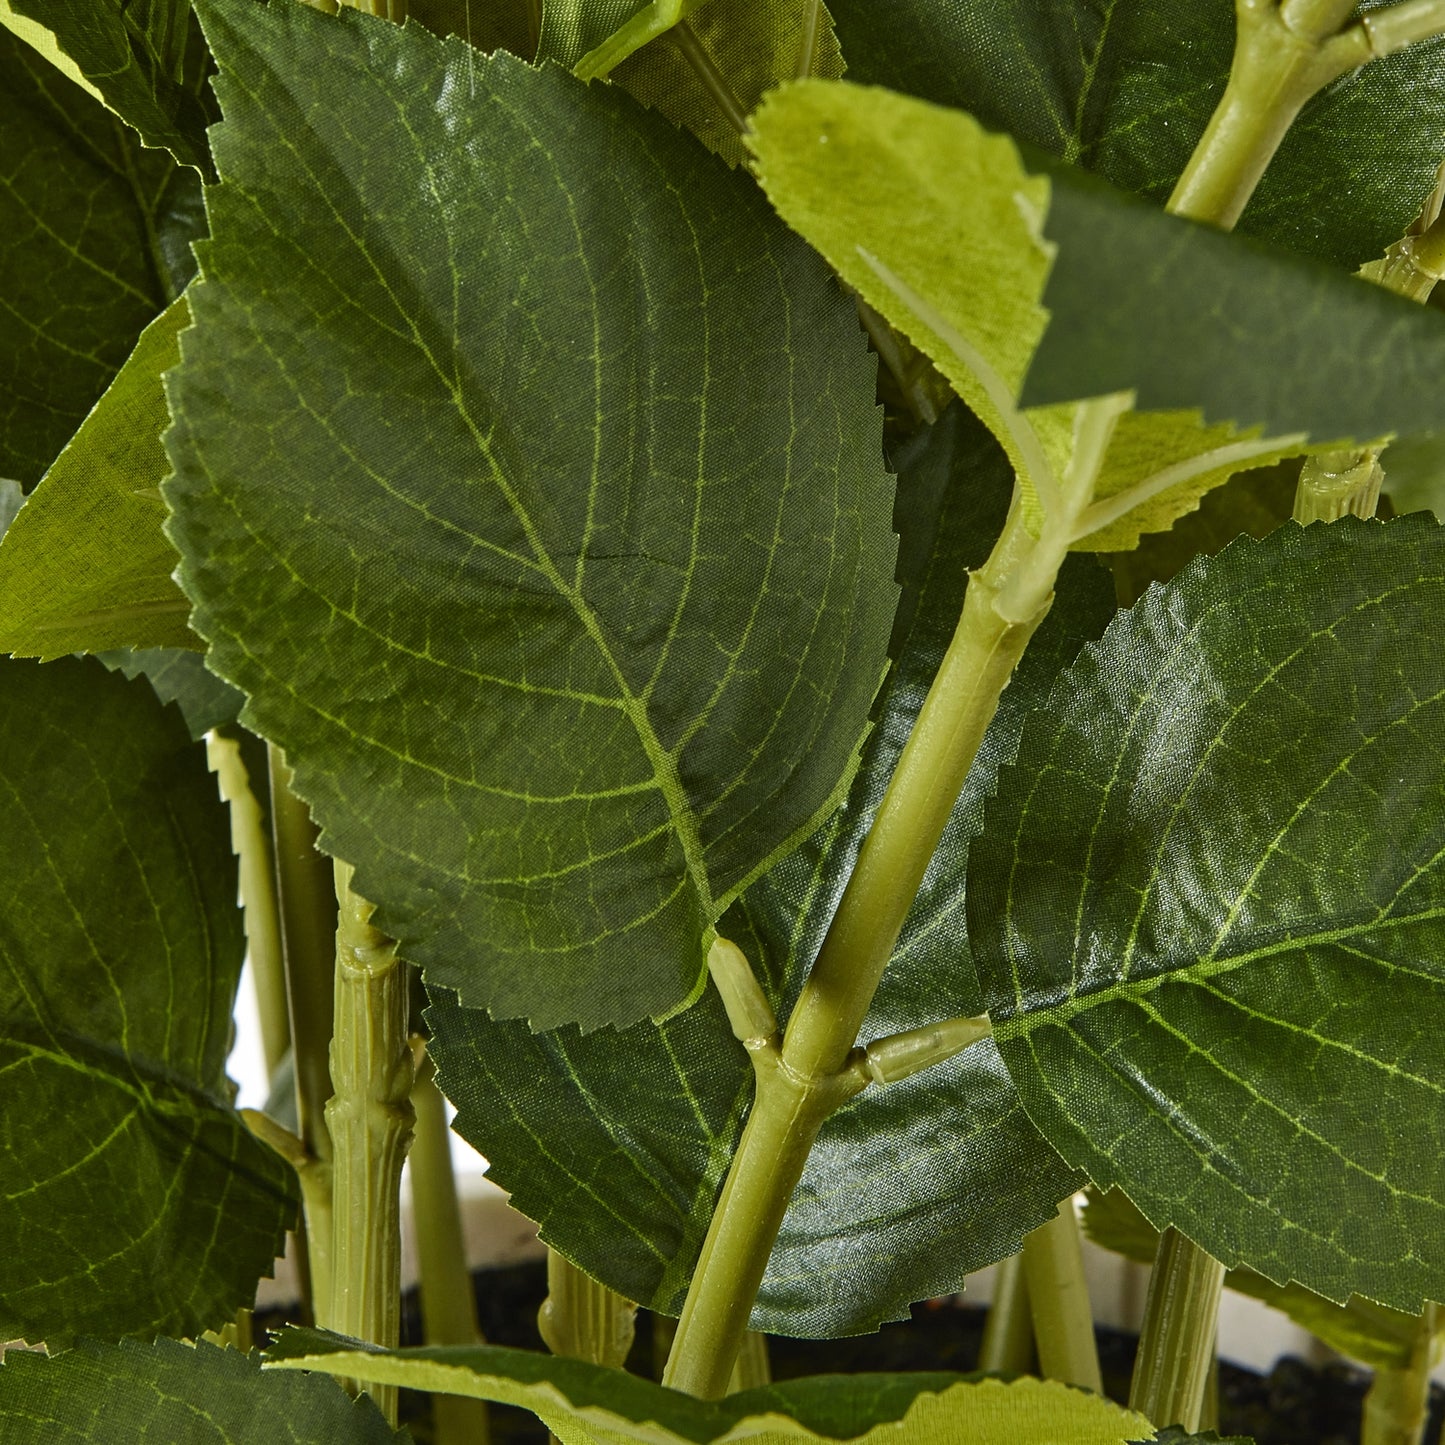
(95, 239)
(1379, 1337)
(1206, 904)
(909, 1187)
(146, 60)
(169, 1393)
(1127, 90)
(582, 1402)
(135, 1200)
(584, 638)
(86, 565)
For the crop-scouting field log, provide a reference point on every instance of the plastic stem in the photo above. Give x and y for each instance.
(1397, 1406)
(1008, 1333)
(1053, 1264)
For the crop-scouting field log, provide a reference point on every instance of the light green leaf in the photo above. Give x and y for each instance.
(590, 37)
(1206, 904)
(909, 1188)
(1126, 91)
(86, 565)
(575, 644)
(1379, 1337)
(582, 1402)
(181, 677)
(135, 1201)
(94, 241)
(169, 1393)
(146, 61)
(753, 44)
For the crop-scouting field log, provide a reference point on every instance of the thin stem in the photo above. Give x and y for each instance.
(258, 894)
(1397, 1406)
(307, 905)
(1398, 26)
(1008, 1333)
(713, 80)
(370, 1118)
(808, 47)
(1053, 1264)
(1176, 1344)
(448, 1302)
(893, 351)
(753, 1369)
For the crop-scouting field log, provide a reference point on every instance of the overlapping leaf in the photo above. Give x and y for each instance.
(168, 1393)
(1379, 1337)
(86, 565)
(182, 677)
(616, 1142)
(586, 1404)
(546, 525)
(1207, 906)
(1126, 91)
(134, 1200)
(147, 62)
(937, 223)
(95, 239)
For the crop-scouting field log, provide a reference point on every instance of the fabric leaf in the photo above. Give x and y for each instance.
(579, 640)
(135, 1201)
(910, 1187)
(1206, 907)
(86, 565)
(181, 677)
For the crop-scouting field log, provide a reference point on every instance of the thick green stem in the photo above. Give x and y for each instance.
(258, 894)
(370, 1119)
(1008, 1333)
(583, 1319)
(1063, 1322)
(1176, 1344)
(306, 897)
(1397, 1406)
(448, 1303)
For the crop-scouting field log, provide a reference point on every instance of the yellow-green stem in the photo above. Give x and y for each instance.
(1176, 1343)
(753, 1369)
(1059, 1302)
(1397, 1406)
(448, 1303)
(370, 1120)
(1008, 1333)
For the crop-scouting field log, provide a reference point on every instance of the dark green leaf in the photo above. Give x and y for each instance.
(135, 1199)
(1186, 315)
(1126, 91)
(86, 565)
(181, 677)
(580, 639)
(582, 1401)
(1207, 904)
(572, 29)
(94, 242)
(1415, 474)
(1379, 1337)
(169, 1393)
(1176, 1435)
(147, 61)
(910, 1187)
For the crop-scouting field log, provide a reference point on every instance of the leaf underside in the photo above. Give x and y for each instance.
(585, 637)
(1206, 906)
(136, 1201)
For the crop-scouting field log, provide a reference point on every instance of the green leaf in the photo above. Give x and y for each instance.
(909, 1188)
(936, 223)
(12, 497)
(135, 1199)
(575, 644)
(205, 700)
(1177, 1435)
(1379, 1337)
(582, 1402)
(169, 1393)
(146, 62)
(86, 565)
(590, 37)
(1206, 908)
(94, 241)
(753, 44)
(1127, 90)
(1415, 474)
(504, 24)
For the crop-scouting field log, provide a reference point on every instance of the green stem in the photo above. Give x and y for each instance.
(1338, 484)
(307, 905)
(1397, 1406)
(258, 894)
(448, 1303)
(370, 1119)
(1008, 1333)
(808, 45)
(1053, 1264)
(753, 1369)
(1176, 1344)
(690, 45)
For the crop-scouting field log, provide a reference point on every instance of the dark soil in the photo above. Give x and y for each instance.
(1295, 1404)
